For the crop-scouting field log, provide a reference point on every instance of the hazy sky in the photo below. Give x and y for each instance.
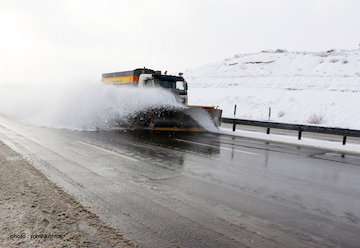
(80, 39)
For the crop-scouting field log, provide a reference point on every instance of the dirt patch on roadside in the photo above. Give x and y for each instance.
(34, 212)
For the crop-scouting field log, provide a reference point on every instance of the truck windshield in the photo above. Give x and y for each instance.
(178, 85)
(167, 84)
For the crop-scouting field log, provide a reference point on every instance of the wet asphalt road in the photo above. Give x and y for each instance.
(201, 190)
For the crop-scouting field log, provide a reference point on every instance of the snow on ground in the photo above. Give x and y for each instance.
(300, 87)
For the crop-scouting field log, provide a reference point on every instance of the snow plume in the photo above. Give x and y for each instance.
(81, 107)
(202, 117)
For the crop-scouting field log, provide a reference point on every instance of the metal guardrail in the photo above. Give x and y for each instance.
(296, 127)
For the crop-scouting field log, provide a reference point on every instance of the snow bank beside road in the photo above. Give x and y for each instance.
(336, 109)
(300, 87)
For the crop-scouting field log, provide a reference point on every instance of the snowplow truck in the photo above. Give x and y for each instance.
(189, 118)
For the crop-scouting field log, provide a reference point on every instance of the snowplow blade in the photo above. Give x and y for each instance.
(188, 119)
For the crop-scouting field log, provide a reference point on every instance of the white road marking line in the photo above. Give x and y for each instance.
(224, 148)
(108, 151)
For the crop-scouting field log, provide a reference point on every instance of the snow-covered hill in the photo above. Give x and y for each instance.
(302, 87)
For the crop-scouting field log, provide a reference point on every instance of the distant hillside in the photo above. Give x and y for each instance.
(298, 85)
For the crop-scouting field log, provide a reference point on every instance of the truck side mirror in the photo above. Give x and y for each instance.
(186, 86)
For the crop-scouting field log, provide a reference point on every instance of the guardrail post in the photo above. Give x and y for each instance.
(344, 143)
(234, 122)
(344, 140)
(300, 134)
(269, 117)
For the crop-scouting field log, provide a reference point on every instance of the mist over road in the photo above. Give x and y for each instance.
(200, 190)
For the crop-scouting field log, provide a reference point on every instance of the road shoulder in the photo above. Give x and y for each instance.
(351, 149)
(34, 212)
